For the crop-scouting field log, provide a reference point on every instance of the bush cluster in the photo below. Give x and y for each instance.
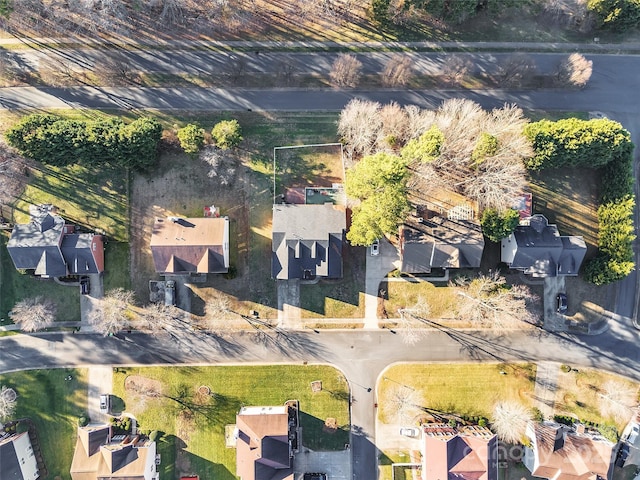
(608, 431)
(606, 145)
(121, 425)
(57, 141)
(576, 143)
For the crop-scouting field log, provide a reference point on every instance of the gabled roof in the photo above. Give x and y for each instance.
(468, 453)
(563, 454)
(17, 460)
(307, 241)
(190, 245)
(77, 252)
(36, 245)
(441, 243)
(263, 451)
(99, 456)
(538, 249)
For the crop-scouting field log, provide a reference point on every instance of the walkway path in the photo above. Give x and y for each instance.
(546, 387)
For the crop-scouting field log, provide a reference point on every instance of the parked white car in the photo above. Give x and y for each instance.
(412, 432)
(375, 248)
(633, 435)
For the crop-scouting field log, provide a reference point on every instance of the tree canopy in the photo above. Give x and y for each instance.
(57, 141)
(575, 142)
(379, 182)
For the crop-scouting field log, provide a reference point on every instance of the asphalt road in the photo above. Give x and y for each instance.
(362, 355)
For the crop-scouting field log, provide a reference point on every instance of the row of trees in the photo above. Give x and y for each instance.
(514, 71)
(57, 141)
(603, 144)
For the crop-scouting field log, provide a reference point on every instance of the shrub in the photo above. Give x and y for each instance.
(191, 138)
(616, 15)
(227, 134)
(496, 226)
(83, 421)
(153, 436)
(536, 414)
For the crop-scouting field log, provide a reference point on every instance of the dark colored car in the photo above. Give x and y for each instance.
(561, 303)
(85, 287)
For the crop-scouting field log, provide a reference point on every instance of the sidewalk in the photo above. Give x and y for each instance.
(320, 45)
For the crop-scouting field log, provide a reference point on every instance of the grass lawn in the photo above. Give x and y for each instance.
(94, 198)
(15, 287)
(461, 389)
(580, 393)
(338, 298)
(116, 273)
(54, 405)
(385, 461)
(193, 440)
(441, 299)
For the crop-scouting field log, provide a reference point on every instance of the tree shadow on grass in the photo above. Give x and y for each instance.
(318, 437)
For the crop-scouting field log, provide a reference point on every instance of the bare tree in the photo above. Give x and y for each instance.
(223, 164)
(346, 71)
(411, 324)
(488, 302)
(113, 312)
(618, 400)
(116, 70)
(456, 68)
(398, 71)
(8, 399)
(394, 123)
(160, 319)
(33, 314)
(509, 421)
(172, 12)
(575, 71)
(401, 403)
(359, 125)
(418, 120)
(516, 70)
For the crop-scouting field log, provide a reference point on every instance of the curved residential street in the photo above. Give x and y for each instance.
(360, 354)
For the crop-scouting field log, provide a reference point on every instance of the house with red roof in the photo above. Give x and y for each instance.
(467, 452)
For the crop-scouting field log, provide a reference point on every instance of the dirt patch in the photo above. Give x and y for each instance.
(143, 386)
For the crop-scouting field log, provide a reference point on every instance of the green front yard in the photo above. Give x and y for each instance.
(466, 389)
(193, 425)
(54, 404)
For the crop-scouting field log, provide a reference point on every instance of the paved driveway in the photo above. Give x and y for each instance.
(337, 465)
(100, 381)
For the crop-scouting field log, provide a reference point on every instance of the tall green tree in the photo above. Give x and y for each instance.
(376, 173)
(378, 215)
(227, 134)
(615, 15)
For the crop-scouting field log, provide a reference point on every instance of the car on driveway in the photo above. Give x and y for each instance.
(85, 287)
(633, 435)
(104, 403)
(413, 432)
(561, 303)
(375, 248)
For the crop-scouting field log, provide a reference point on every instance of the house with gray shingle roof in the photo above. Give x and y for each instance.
(307, 241)
(17, 459)
(538, 249)
(52, 248)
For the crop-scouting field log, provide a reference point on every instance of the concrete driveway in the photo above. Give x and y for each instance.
(100, 381)
(337, 465)
(378, 266)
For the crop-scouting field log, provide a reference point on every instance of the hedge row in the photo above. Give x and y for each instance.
(56, 141)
